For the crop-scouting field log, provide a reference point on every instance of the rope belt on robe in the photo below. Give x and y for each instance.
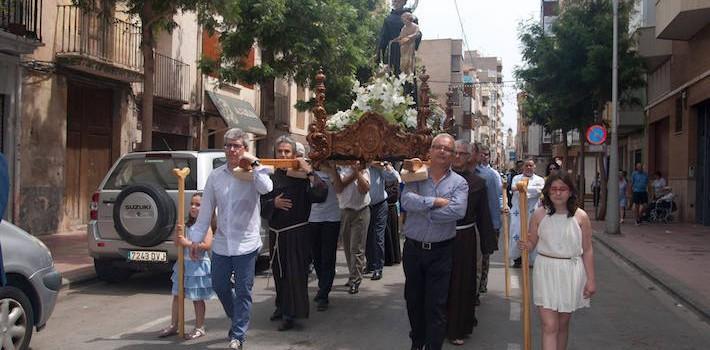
(465, 226)
(276, 243)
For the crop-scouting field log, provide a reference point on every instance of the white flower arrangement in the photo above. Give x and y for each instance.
(385, 96)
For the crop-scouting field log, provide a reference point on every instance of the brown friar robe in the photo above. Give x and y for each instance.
(289, 241)
(461, 312)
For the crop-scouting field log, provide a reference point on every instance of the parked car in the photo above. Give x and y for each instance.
(133, 211)
(27, 299)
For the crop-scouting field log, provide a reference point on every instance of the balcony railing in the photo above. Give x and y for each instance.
(172, 79)
(98, 36)
(22, 17)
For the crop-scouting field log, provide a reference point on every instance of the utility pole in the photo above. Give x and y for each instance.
(612, 198)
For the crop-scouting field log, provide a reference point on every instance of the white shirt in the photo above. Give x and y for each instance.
(239, 210)
(351, 198)
(535, 185)
(328, 211)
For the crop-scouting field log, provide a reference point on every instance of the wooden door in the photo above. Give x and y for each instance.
(88, 157)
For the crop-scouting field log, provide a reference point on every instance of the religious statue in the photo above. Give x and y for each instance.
(407, 41)
(388, 48)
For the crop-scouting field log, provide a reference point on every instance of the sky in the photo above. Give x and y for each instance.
(491, 27)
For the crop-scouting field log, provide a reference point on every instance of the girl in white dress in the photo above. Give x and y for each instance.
(563, 277)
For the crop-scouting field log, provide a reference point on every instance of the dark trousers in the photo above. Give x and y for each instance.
(426, 288)
(375, 250)
(324, 236)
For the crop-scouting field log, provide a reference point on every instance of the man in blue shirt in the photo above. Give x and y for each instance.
(375, 249)
(494, 190)
(433, 206)
(639, 185)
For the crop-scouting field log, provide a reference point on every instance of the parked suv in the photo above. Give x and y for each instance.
(29, 296)
(133, 212)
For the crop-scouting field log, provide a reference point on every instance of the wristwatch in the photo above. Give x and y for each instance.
(255, 163)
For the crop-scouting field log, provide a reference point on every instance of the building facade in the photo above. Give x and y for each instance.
(443, 61)
(675, 42)
(486, 73)
(72, 105)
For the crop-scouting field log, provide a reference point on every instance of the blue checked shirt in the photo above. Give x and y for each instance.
(427, 224)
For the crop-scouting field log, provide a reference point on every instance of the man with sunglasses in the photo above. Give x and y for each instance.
(433, 206)
(237, 240)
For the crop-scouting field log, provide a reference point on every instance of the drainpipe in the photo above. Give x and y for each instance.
(17, 108)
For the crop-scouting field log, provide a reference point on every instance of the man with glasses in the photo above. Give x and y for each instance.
(494, 190)
(461, 314)
(237, 240)
(433, 206)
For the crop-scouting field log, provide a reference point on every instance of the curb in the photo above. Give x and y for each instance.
(78, 276)
(693, 301)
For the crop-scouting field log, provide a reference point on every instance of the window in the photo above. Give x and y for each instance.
(546, 137)
(211, 139)
(679, 115)
(456, 63)
(156, 170)
(281, 109)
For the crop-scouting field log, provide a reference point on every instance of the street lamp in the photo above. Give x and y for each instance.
(612, 199)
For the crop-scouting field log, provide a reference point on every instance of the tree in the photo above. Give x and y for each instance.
(295, 38)
(155, 16)
(567, 74)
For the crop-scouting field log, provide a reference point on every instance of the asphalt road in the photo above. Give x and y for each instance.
(628, 312)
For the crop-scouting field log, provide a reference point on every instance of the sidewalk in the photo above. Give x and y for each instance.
(71, 256)
(676, 256)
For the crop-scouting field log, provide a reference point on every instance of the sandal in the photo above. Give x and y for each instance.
(456, 342)
(196, 333)
(168, 331)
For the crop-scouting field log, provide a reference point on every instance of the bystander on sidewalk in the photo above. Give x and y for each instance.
(677, 256)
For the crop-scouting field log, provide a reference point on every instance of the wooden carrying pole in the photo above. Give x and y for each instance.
(522, 187)
(181, 175)
(506, 240)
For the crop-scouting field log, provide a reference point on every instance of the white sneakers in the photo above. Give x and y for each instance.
(235, 344)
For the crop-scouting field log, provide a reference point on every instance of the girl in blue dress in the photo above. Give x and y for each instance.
(198, 283)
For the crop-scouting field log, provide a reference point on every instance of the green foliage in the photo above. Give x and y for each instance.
(567, 75)
(296, 38)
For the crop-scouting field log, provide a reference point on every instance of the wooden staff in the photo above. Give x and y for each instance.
(181, 175)
(522, 187)
(506, 242)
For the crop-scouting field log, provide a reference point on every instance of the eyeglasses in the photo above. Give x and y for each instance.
(559, 189)
(233, 146)
(442, 148)
(461, 154)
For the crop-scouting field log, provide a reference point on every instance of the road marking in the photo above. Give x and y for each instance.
(514, 282)
(513, 346)
(514, 311)
(140, 328)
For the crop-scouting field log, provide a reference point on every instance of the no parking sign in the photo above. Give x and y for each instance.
(596, 134)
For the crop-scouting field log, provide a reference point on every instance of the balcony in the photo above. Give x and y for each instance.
(20, 26)
(98, 44)
(653, 51)
(172, 79)
(681, 19)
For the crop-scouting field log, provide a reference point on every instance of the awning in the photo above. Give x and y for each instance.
(238, 113)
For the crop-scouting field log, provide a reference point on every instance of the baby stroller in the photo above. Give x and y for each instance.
(662, 209)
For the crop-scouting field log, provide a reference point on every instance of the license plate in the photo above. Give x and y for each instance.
(149, 256)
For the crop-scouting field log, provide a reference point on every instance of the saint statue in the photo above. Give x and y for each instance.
(389, 51)
(407, 41)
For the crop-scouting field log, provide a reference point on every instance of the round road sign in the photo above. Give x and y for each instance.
(596, 134)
